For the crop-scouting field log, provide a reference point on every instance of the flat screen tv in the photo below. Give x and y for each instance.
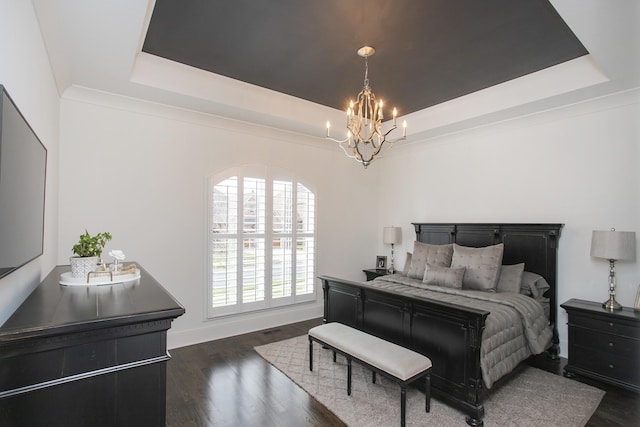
(23, 170)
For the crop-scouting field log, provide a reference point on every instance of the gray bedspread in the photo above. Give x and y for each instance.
(516, 328)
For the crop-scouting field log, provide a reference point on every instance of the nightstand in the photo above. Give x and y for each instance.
(372, 273)
(603, 345)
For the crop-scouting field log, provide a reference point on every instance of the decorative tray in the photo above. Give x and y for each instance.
(102, 278)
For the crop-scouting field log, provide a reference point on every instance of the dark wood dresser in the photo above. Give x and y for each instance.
(604, 345)
(87, 355)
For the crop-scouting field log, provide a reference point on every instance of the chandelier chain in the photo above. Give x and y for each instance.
(366, 72)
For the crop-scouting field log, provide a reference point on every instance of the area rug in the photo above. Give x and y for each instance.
(531, 398)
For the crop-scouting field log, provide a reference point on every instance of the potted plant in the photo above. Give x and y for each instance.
(88, 251)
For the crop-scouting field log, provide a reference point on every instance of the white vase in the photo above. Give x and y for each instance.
(82, 266)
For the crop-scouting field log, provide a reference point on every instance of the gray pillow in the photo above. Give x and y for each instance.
(510, 278)
(482, 266)
(424, 253)
(443, 276)
(533, 285)
(407, 264)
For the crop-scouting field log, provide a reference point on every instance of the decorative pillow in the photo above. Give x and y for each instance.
(533, 285)
(443, 276)
(407, 264)
(424, 253)
(482, 266)
(510, 278)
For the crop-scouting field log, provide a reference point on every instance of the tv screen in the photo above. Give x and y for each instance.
(23, 166)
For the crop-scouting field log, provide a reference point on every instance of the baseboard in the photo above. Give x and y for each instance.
(241, 324)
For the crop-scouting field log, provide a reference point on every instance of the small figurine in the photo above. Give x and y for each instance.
(118, 256)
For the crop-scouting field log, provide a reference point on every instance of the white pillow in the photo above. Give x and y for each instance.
(443, 276)
(482, 266)
(424, 253)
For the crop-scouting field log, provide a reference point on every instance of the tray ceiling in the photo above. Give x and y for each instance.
(427, 52)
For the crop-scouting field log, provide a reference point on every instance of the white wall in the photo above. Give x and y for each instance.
(27, 76)
(577, 165)
(138, 170)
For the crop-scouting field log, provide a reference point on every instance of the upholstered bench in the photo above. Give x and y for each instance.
(397, 363)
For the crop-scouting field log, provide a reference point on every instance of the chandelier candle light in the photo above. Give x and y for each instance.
(365, 136)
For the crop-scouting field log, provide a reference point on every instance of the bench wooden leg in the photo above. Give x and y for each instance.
(348, 376)
(427, 392)
(403, 405)
(310, 354)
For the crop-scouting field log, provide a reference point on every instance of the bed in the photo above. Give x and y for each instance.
(450, 330)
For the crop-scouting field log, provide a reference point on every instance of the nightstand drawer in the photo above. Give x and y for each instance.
(607, 365)
(607, 343)
(608, 326)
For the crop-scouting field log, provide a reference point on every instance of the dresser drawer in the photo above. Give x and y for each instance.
(606, 343)
(604, 325)
(605, 364)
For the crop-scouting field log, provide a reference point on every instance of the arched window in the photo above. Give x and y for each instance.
(261, 242)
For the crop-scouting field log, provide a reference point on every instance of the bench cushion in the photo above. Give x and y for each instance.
(398, 361)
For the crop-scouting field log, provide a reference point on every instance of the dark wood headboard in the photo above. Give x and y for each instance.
(534, 244)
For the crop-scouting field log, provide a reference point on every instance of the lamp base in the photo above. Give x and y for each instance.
(611, 304)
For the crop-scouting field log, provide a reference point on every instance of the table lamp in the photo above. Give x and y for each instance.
(392, 236)
(614, 246)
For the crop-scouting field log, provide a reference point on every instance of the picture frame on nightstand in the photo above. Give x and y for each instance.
(381, 262)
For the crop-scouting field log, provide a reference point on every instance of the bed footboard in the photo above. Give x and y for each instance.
(449, 335)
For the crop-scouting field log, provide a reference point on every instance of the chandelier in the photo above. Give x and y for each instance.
(365, 134)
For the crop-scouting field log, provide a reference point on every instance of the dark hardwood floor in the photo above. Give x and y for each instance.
(226, 383)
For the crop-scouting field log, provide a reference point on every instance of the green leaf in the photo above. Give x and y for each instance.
(89, 246)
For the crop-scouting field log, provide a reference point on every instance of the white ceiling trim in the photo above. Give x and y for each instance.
(553, 81)
(97, 44)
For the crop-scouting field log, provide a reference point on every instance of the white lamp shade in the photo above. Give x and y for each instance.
(392, 235)
(616, 245)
